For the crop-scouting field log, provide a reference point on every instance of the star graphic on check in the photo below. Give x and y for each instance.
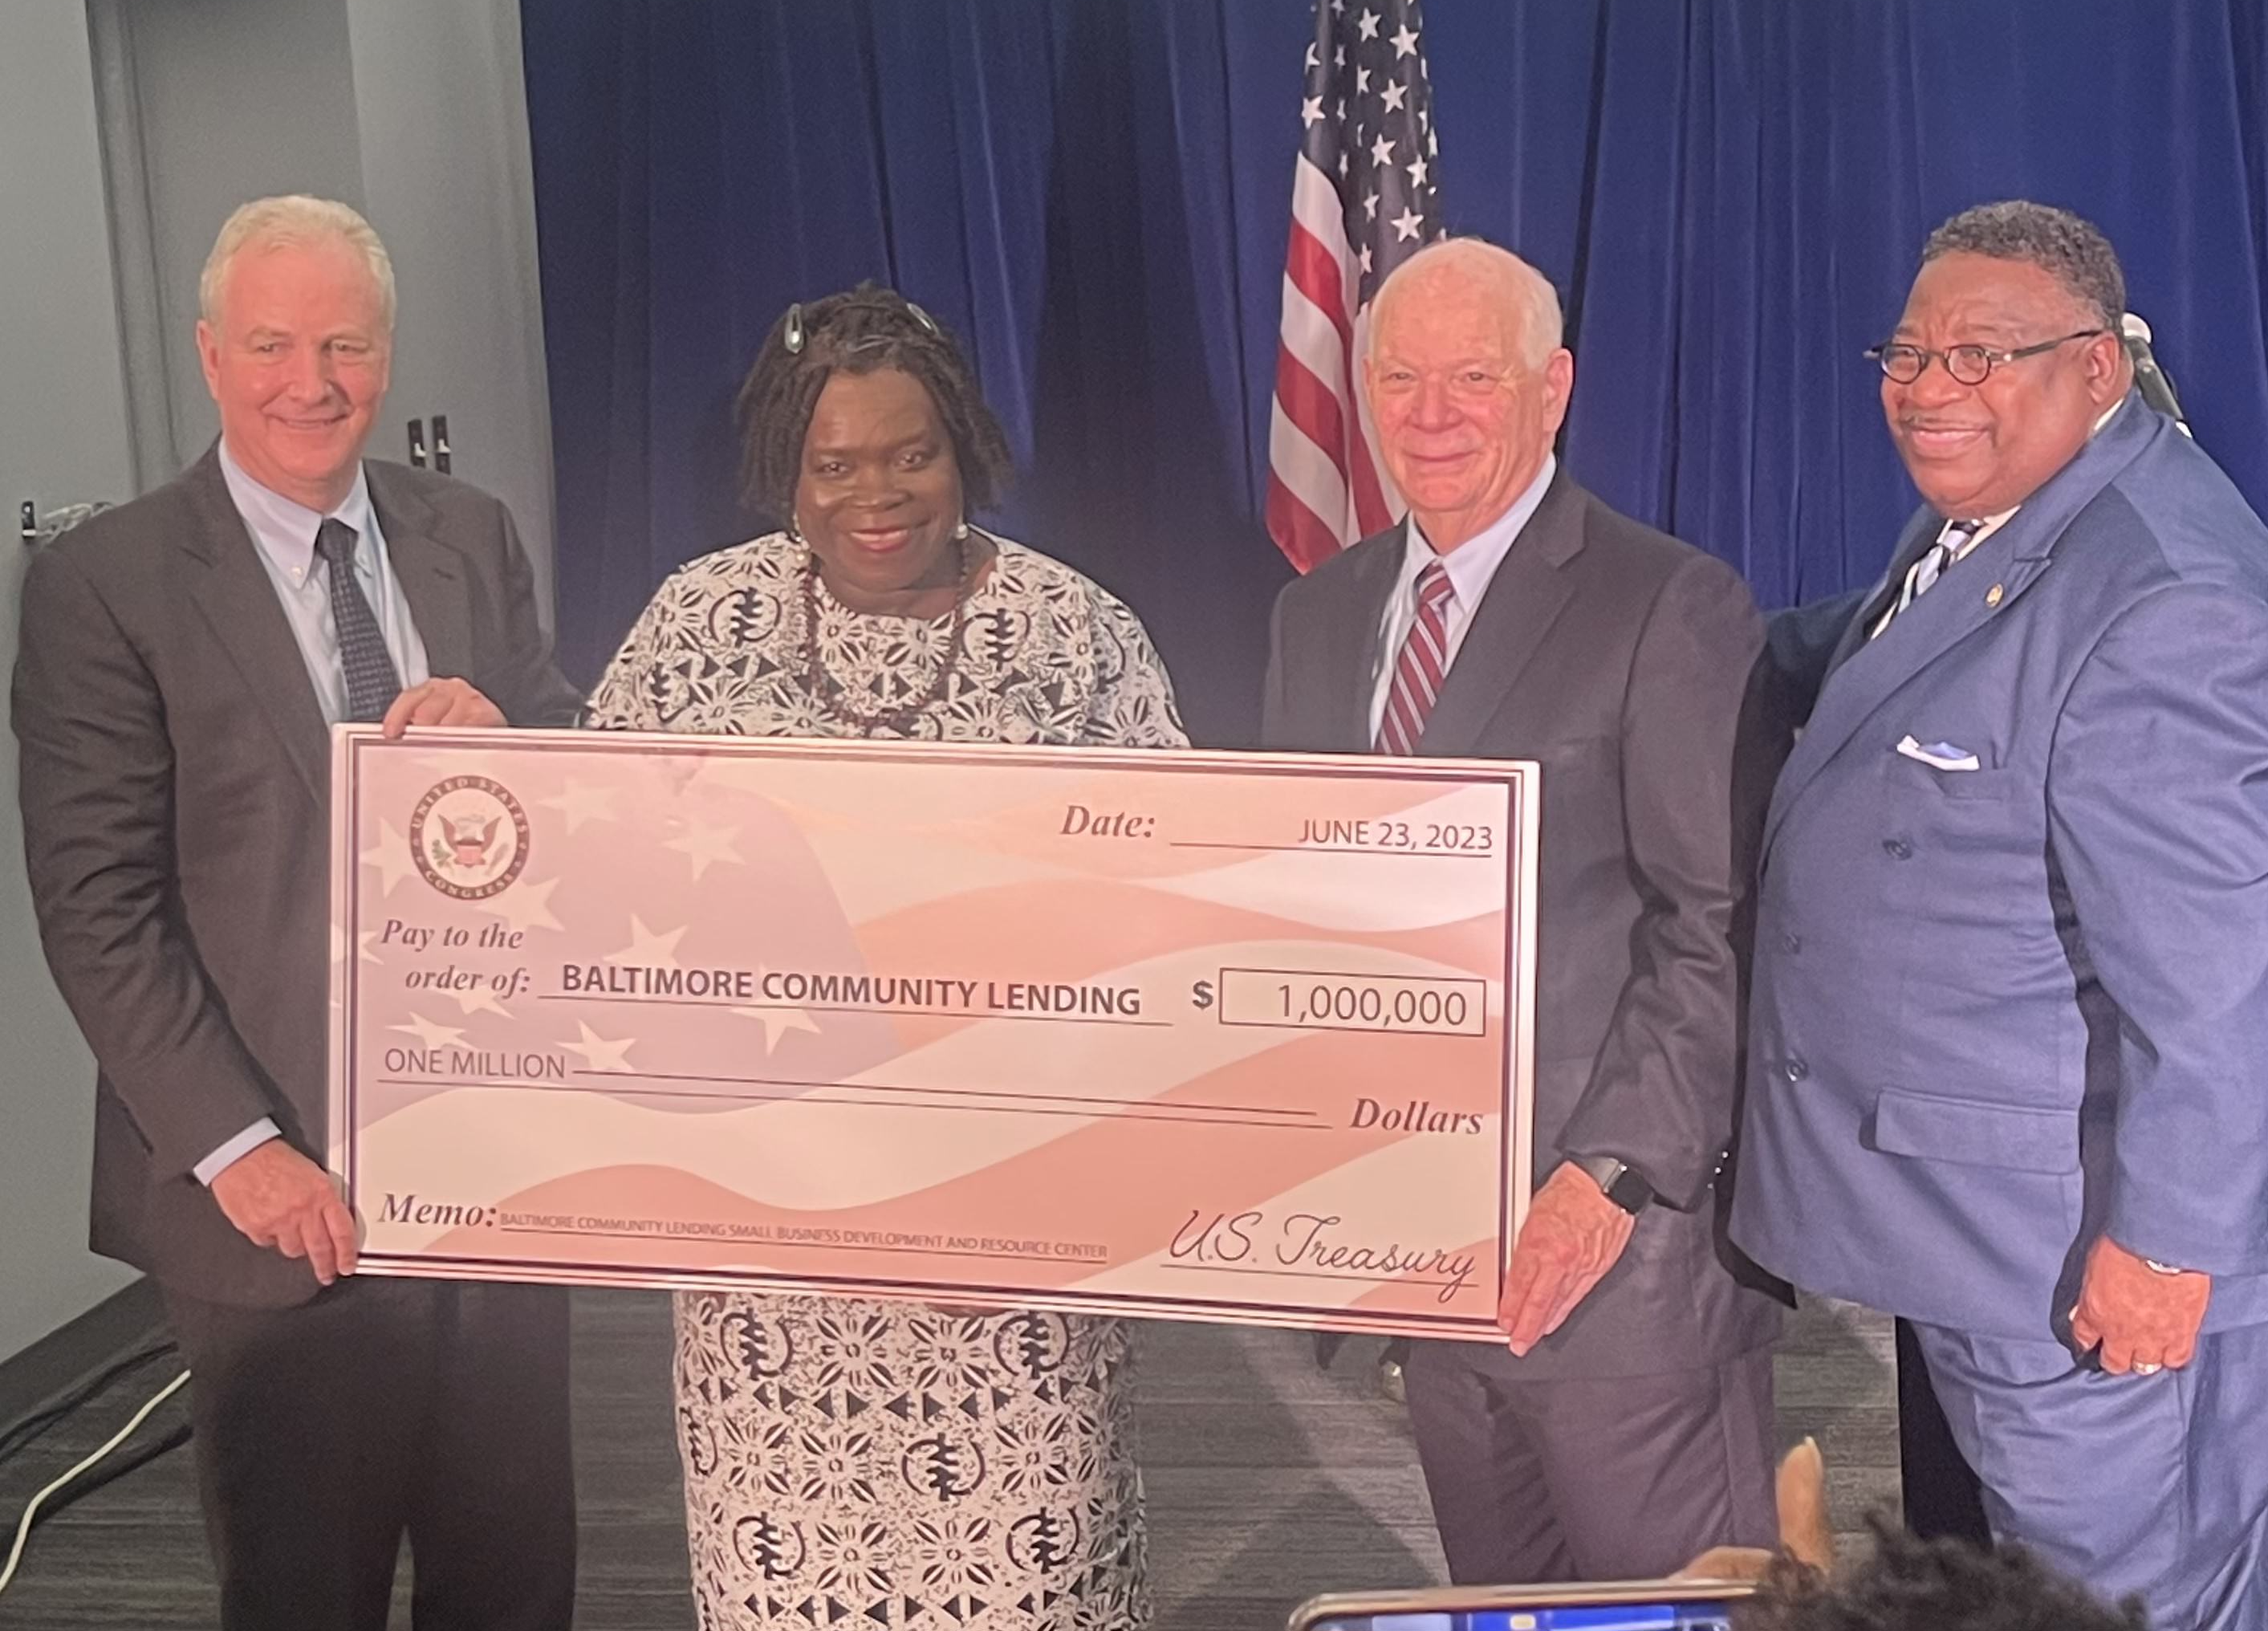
(390, 856)
(648, 948)
(367, 954)
(431, 1035)
(580, 802)
(705, 845)
(524, 905)
(778, 1021)
(480, 999)
(599, 1053)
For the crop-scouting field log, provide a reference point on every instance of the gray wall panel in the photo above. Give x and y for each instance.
(62, 440)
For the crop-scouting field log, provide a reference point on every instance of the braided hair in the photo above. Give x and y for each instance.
(863, 331)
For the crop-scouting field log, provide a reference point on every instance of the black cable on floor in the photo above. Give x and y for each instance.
(22, 1431)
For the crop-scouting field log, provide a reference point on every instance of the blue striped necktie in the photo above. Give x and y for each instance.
(371, 682)
(1929, 568)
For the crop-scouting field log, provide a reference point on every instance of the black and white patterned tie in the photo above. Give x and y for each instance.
(371, 682)
(1931, 565)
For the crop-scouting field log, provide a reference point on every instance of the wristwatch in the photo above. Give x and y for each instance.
(1632, 1193)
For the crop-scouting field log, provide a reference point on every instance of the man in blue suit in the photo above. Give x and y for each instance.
(2008, 1068)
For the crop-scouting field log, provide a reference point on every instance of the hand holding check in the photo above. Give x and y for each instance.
(442, 701)
(276, 1197)
(1572, 1235)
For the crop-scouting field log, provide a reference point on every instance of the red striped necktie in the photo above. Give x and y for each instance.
(1419, 669)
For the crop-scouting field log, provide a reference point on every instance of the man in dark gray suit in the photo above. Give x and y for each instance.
(1627, 1425)
(182, 658)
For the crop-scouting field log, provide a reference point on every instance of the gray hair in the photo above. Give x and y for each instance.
(2067, 248)
(1521, 283)
(293, 219)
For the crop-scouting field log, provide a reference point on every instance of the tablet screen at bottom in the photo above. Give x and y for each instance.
(1703, 1614)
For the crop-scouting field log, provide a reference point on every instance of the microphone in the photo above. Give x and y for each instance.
(2149, 378)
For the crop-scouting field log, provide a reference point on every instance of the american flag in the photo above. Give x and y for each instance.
(1364, 199)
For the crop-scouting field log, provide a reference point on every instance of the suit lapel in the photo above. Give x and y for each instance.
(431, 573)
(1958, 605)
(1868, 672)
(1521, 602)
(238, 597)
(1921, 532)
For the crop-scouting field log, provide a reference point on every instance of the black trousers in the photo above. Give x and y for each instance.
(1941, 1493)
(325, 1433)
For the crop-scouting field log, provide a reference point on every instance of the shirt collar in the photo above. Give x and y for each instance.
(284, 528)
(1991, 524)
(1473, 563)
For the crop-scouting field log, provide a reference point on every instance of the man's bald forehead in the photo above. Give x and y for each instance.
(1530, 304)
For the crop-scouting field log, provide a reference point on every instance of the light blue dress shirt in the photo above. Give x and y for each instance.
(283, 535)
(1471, 565)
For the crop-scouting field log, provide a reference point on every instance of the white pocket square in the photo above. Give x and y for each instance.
(1939, 756)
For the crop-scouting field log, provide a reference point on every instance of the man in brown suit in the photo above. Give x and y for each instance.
(1627, 1424)
(182, 658)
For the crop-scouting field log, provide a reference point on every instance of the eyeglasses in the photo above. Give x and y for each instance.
(1969, 365)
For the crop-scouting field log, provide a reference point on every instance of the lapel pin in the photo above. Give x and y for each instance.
(1992, 595)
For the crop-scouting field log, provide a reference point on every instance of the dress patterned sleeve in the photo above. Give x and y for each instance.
(1133, 700)
(628, 697)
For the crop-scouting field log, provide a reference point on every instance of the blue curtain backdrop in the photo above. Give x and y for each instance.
(1729, 194)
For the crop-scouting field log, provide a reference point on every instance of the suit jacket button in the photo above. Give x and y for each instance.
(1897, 849)
(1795, 1070)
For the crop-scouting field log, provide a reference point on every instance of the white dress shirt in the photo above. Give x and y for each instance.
(283, 534)
(1471, 565)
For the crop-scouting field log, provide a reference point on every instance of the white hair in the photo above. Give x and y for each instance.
(293, 220)
(1529, 291)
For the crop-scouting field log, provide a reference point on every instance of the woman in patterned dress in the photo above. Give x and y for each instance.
(846, 1461)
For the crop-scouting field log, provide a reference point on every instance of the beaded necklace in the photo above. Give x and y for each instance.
(829, 692)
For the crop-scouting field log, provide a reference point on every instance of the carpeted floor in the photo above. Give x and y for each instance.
(1268, 1479)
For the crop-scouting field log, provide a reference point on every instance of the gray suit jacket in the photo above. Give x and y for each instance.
(175, 787)
(1623, 660)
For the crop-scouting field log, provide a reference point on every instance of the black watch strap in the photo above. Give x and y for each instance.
(1620, 1184)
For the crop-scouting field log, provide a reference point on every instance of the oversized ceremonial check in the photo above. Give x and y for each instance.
(1235, 1037)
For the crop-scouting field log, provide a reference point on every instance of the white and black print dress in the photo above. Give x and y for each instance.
(862, 1464)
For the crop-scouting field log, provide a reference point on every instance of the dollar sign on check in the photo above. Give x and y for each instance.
(1201, 994)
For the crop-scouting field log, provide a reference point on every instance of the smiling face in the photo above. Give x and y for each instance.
(878, 493)
(297, 363)
(1465, 419)
(1976, 450)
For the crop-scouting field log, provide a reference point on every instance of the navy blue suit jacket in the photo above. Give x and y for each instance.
(1998, 1011)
